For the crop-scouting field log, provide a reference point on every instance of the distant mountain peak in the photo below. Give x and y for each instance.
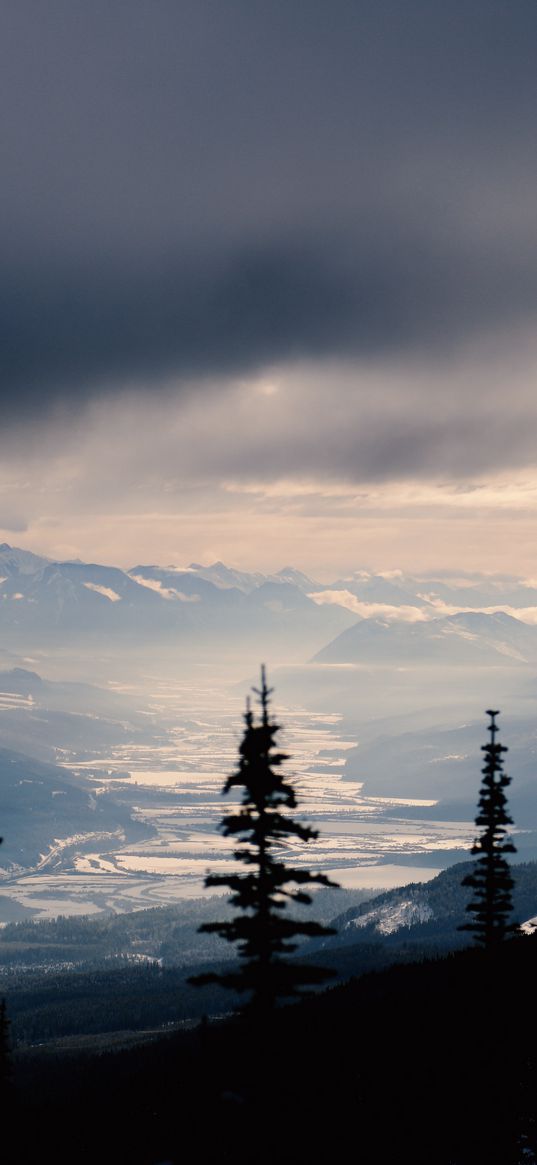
(290, 574)
(23, 673)
(17, 561)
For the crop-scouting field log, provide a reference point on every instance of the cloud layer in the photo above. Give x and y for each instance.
(201, 190)
(289, 467)
(270, 281)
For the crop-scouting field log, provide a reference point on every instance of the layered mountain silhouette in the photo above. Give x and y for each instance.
(444, 763)
(43, 602)
(45, 808)
(52, 720)
(468, 637)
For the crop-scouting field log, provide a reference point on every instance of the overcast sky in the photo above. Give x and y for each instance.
(270, 282)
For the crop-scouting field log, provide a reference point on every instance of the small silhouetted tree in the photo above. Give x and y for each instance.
(262, 825)
(491, 879)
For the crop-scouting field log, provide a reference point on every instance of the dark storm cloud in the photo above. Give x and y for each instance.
(209, 187)
(197, 317)
(282, 301)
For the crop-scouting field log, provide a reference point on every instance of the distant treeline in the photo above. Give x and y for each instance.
(168, 933)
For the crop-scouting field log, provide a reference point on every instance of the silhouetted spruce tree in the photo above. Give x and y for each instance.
(491, 880)
(261, 825)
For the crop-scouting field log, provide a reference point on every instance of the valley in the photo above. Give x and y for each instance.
(121, 704)
(173, 790)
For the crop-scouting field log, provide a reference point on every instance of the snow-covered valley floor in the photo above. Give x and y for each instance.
(176, 789)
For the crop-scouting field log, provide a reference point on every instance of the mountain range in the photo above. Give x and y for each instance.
(47, 604)
(367, 619)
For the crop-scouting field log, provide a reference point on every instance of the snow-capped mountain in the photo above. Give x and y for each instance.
(389, 620)
(468, 637)
(13, 561)
(188, 579)
(206, 606)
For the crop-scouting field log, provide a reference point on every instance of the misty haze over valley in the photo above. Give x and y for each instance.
(121, 699)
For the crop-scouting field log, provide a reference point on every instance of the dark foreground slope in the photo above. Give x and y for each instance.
(431, 1064)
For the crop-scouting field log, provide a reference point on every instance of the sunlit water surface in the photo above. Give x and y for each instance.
(176, 789)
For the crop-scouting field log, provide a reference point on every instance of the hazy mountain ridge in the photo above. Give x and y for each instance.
(468, 637)
(50, 721)
(46, 809)
(14, 561)
(397, 588)
(43, 602)
(444, 763)
(369, 618)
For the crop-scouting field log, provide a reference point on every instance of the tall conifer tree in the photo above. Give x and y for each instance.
(262, 826)
(491, 880)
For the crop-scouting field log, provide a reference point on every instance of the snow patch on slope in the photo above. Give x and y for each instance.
(391, 917)
(106, 592)
(155, 584)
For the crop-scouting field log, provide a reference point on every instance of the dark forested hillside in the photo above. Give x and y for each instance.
(167, 934)
(402, 1064)
(427, 912)
(90, 976)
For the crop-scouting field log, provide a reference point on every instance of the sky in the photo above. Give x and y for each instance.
(270, 283)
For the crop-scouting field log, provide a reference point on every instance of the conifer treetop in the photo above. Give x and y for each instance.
(491, 880)
(264, 829)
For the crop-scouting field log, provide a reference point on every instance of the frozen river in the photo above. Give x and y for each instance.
(176, 789)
